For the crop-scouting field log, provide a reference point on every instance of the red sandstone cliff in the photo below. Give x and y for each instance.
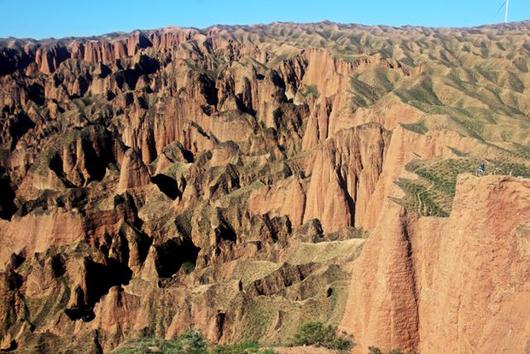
(456, 285)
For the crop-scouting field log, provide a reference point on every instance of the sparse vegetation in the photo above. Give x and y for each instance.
(420, 93)
(395, 351)
(190, 342)
(257, 319)
(241, 348)
(310, 91)
(418, 127)
(376, 350)
(362, 93)
(433, 192)
(322, 335)
(187, 267)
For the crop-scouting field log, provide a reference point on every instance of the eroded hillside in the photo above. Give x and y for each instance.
(227, 179)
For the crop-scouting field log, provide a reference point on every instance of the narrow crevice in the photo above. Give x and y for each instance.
(208, 89)
(58, 265)
(56, 165)
(220, 320)
(349, 200)
(411, 270)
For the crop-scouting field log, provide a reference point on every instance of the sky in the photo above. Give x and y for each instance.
(62, 18)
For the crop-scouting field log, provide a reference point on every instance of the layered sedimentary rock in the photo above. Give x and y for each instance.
(473, 265)
(227, 179)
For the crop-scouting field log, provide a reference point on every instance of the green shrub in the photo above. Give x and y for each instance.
(418, 127)
(376, 350)
(310, 91)
(321, 335)
(139, 346)
(188, 267)
(395, 351)
(190, 342)
(241, 348)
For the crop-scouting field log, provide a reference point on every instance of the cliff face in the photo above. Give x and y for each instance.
(451, 284)
(227, 179)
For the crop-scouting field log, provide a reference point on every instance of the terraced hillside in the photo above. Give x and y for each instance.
(241, 180)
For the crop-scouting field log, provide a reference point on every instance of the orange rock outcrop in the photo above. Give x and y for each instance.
(447, 285)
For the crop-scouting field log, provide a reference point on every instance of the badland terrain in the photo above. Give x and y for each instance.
(242, 180)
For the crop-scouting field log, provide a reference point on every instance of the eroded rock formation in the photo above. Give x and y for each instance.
(468, 264)
(226, 179)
